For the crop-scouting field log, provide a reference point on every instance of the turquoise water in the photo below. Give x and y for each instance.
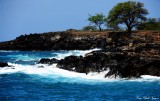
(27, 82)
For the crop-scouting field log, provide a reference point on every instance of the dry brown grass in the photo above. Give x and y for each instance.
(89, 33)
(155, 35)
(152, 34)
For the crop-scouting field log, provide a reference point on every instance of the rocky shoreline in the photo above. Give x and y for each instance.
(125, 55)
(119, 64)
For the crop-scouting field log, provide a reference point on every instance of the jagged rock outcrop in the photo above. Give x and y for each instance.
(119, 64)
(2, 64)
(48, 61)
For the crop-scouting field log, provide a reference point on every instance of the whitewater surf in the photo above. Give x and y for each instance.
(27, 80)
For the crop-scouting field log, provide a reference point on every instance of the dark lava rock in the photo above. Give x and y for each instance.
(48, 61)
(147, 47)
(2, 64)
(126, 66)
(53, 41)
(96, 62)
(151, 68)
(121, 64)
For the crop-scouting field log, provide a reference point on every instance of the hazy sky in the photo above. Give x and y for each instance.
(34, 16)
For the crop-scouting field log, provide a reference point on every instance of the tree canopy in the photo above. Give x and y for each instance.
(130, 13)
(97, 19)
(150, 24)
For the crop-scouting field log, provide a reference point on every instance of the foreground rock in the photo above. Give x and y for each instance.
(2, 64)
(119, 64)
(48, 61)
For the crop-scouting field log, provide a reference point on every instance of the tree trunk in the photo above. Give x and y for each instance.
(129, 29)
(100, 29)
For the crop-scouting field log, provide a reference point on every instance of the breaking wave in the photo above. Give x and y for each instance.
(55, 74)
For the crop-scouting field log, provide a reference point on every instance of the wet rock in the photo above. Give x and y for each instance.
(147, 47)
(95, 62)
(48, 61)
(119, 64)
(151, 68)
(2, 64)
(40, 66)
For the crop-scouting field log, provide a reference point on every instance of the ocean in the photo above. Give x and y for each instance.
(29, 81)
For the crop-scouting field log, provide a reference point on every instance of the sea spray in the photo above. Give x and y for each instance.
(74, 52)
(51, 71)
(47, 82)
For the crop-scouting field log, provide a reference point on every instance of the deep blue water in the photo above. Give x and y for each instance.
(26, 82)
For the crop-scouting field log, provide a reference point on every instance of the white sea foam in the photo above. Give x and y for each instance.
(60, 55)
(149, 77)
(144, 78)
(53, 72)
(8, 51)
(75, 53)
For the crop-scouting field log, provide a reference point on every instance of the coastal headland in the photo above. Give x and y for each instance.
(125, 54)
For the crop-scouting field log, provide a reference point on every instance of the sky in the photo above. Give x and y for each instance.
(19, 17)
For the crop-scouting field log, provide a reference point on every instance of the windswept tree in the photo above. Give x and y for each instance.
(97, 19)
(130, 13)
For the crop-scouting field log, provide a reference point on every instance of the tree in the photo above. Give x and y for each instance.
(150, 24)
(97, 19)
(130, 13)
